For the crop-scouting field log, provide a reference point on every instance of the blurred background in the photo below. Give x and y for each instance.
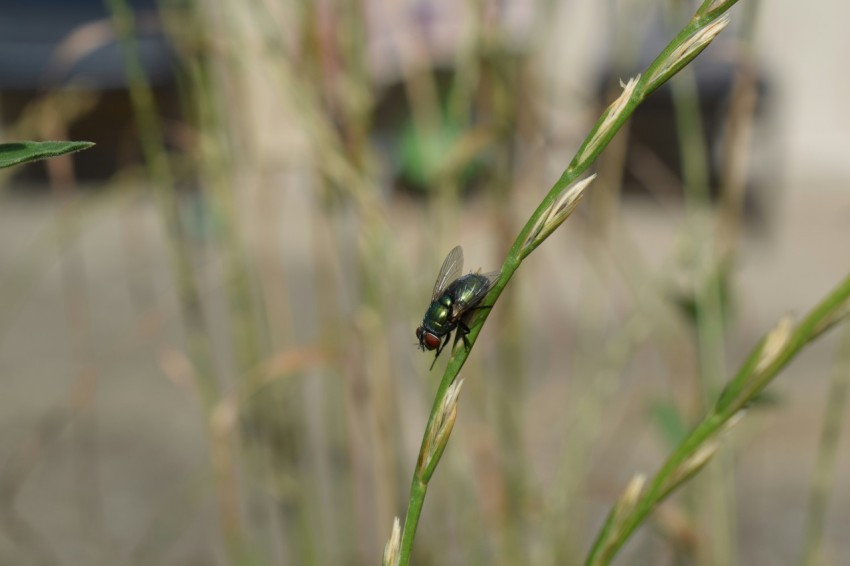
(207, 321)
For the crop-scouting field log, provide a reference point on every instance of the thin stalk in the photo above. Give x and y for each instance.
(164, 189)
(823, 480)
(762, 365)
(163, 186)
(708, 21)
(709, 323)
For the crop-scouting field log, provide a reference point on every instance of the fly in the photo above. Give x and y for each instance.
(453, 298)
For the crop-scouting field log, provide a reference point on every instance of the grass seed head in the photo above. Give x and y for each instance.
(611, 116)
(687, 50)
(559, 210)
(774, 344)
(631, 494)
(441, 428)
(391, 550)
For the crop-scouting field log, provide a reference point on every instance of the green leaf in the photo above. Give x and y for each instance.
(16, 153)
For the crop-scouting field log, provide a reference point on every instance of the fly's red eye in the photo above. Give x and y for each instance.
(419, 333)
(431, 341)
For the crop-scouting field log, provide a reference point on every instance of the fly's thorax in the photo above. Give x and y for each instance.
(437, 316)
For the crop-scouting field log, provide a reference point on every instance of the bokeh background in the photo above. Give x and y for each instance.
(207, 321)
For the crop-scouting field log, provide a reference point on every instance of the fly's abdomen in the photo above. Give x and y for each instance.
(468, 290)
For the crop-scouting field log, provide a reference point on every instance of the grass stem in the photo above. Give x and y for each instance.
(708, 21)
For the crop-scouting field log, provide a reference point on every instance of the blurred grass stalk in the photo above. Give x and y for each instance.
(163, 184)
(314, 508)
(823, 478)
(707, 273)
(772, 354)
(560, 201)
(713, 240)
(336, 159)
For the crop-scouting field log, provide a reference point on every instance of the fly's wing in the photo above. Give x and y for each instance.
(479, 294)
(452, 266)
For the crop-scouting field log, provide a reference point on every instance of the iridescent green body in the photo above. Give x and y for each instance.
(463, 293)
(452, 298)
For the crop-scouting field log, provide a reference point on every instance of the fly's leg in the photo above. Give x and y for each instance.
(462, 331)
(443, 345)
(440, 349)
(467, 317)
(463, 328)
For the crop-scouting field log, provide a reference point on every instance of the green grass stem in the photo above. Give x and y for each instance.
(762, 365)
(823, 479)
(688, 43)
